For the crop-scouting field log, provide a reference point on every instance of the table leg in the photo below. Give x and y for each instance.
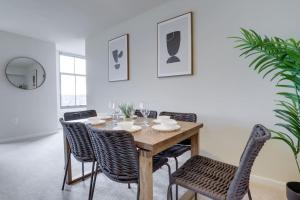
(146, 176)
(195, 144)
(67, 152)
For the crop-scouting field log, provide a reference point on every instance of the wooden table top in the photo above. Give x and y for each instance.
(157, 141)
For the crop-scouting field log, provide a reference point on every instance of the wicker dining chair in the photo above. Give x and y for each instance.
(70, 116)
(152, 114)
(218, 180)
(184, 146)
(117, 156)
(80, 145)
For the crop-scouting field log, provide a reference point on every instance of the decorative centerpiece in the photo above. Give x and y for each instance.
(127, 110)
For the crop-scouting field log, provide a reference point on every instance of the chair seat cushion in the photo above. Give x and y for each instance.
(205, 176)
(175, 151)
(158, 162)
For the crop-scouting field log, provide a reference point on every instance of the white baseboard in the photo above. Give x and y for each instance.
(268, 182)
(27, 137)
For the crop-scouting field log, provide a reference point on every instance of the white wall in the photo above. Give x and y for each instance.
(228, 97)
(27, 113)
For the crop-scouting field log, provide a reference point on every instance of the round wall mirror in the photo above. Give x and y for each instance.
(25, 73)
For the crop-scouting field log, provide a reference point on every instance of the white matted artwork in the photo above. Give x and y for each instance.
(118, 59)
(174, 46)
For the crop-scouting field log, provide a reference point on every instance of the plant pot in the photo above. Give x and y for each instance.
(293, 190)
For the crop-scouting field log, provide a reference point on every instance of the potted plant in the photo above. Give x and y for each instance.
(127, 110)
(280, 59)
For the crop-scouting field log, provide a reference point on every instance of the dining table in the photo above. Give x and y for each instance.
(150, 142)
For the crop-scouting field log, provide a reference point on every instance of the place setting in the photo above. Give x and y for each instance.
(95, 121)
(165, 124)
(127, 126)
(90, 120)
(104, 116)
(100, 119)
(126, 117)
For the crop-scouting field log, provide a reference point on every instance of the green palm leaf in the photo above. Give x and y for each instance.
(280, 59)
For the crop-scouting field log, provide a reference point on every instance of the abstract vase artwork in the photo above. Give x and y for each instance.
(116, 55)
(118, 59)
(174, 46)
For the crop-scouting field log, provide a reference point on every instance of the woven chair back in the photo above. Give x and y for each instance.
(187, 117)
(240, 183)
(78, 139)
(116, 154)
(68, 116)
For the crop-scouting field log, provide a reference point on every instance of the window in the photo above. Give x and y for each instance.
(72, 81)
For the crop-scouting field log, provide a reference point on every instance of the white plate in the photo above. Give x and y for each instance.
(134, 128)
(157, 121)
(78, 120)
(105, 117)
(159, 127)
(95, 121)
(132, 117)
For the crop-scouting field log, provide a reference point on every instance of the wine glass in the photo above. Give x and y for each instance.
(113, 107)
(145, 112)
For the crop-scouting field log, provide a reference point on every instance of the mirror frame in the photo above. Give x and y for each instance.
(15, 58)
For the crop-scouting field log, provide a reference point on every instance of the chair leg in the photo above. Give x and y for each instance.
(129, 187)
(169, 172)
(138, 191)
(169, 194)
(92, 177)
(176, 165)
(249, 195)
(82, 170)
(66, 170)
(196, 197)
(94, 182)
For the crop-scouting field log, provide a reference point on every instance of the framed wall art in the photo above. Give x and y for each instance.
(118, 59)
(174, 46)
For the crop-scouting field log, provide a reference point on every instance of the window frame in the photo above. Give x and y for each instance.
(70, 74)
